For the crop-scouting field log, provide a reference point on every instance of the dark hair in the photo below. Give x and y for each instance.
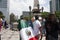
(36, 17)
(21, 17)
(50, 17)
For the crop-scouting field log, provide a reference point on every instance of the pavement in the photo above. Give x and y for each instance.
(7, 34)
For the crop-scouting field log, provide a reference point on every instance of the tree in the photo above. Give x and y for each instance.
(57, 14)
(1, 15)
(27, 17)
(44, 14)
(12, 17)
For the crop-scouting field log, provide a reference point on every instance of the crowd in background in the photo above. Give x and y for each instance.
(48, 26)
(3, 24)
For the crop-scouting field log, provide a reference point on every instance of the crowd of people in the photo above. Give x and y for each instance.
(3, 24)
(48, 26)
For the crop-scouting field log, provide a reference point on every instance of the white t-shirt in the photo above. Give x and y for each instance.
(36, 26)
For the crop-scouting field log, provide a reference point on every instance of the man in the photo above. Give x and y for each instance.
(31, 22)
(22, 24)
(3, 21)
(51, 26)
(19, 24)
(37, 27)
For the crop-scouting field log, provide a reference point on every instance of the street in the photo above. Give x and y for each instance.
(7, 34)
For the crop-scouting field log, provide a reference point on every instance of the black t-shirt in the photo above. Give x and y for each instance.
(51, 28)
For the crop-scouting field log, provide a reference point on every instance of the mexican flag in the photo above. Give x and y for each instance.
(27, 34)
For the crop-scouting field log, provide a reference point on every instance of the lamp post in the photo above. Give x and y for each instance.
(38, 6)
(42, 9)
(30, 12)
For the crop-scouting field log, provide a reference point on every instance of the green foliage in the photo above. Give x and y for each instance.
(58, 14)
(28, 18)
(44, 14)
(1, 15)
(12, 18)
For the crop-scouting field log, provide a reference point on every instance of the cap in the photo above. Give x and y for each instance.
(40, 17)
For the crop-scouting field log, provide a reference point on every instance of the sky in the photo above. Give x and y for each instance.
(18, 6)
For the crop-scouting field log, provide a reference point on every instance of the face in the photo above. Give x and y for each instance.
(33, 19)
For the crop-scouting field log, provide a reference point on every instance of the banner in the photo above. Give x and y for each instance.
(27, 34)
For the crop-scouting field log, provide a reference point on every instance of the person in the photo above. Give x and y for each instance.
(43, 26)
(19, 24)
(40, 19)
(22, 24)
(0, 27)
(3, 21)
(0, 24)
(11, 25)
(6, 25)
(51, 26)
(37, 27)
(30, 23)
(59, 24)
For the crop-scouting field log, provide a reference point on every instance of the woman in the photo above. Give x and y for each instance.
(51, 26)
(0, 24)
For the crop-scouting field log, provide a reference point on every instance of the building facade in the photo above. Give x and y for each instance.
(54, 6)
(4, 8)
(27, 13)
(58, 5)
